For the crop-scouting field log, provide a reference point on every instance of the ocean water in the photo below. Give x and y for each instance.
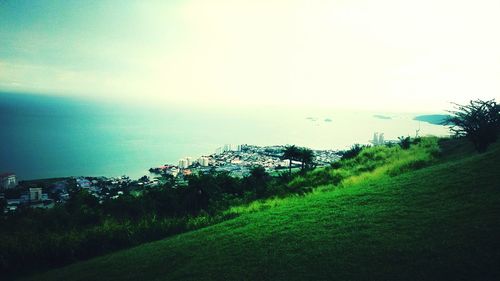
(43, 136)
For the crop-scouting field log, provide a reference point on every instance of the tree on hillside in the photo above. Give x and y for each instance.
(478, 121)
(258, 180)
(306, 157)
(291, 153)
(404, 142)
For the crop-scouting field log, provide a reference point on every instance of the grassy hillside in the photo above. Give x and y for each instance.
(435, 218)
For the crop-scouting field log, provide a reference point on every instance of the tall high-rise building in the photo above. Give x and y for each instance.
(375, 139)
(378, 139)
(203, 161)
(219, 150)
(381, 140)
(183, 163)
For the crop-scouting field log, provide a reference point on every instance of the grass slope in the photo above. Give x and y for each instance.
(437, 223)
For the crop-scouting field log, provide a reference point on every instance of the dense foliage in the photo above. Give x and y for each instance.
(83, 228)
(478, 121)
(390, 160)
(353, 151)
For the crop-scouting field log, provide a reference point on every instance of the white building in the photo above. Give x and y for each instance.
(378, 139)
(35, 194)
(375, 139)
(381, 140)
(203, 161)
(183, 163)
(8, 180)
(172, 171)
(189, 161)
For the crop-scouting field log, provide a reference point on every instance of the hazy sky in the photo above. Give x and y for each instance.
(384, 54)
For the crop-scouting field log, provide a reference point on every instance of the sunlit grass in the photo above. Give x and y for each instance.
(372, 164)
(435, 220)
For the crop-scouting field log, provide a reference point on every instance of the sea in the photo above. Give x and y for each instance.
(43, 136)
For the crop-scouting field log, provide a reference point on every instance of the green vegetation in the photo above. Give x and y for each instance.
(429, 212)
(479, 121)
(353, 151)
(83, 227)
(404, 142)
(302, 154)
(377, 160)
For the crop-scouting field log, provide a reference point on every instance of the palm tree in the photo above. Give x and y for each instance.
(306, 157)
(291, 153)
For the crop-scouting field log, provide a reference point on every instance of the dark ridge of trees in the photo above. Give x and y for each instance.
(353, 151)
(82, 228)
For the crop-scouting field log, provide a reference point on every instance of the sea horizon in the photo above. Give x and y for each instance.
(47, 136)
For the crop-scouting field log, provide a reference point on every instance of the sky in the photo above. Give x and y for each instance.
(355, 54)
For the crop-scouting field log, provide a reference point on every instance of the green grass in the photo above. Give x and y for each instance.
(436, 220)
(371, 163)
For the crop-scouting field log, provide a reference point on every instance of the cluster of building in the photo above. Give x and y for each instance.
(46, 193)
(105, 188)
(32, 196)
(239, 159)
(269, 157)
(229, 147)
(378, 139)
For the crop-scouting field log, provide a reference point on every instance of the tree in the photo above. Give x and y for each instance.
(404, 142)
(258, 180)
(291, 153)
(478, 121)
(306, 156)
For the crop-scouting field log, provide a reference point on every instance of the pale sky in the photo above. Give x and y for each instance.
(382, 55)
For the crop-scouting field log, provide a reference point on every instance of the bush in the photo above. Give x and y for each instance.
(336, 165)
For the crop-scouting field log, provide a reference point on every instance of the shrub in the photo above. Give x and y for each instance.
(336, 165)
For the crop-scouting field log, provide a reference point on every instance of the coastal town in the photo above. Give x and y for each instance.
(46, 193)
(237, 160)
